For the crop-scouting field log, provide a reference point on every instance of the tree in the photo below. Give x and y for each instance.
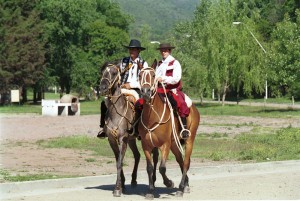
(285, 57)
(22, 48)
(79, 33)
(225, 57)
(105, 44)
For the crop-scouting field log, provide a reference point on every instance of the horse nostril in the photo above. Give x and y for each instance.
(103, 88)
(146, 92)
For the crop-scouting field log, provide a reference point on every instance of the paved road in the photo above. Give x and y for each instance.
(271, 180)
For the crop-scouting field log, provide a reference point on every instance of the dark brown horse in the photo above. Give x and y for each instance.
(160, 128)
(118, 121)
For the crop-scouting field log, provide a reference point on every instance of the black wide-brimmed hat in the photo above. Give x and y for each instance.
(165, 46)
(135, 44)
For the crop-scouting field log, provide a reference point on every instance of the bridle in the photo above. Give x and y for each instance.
(109, 80)
(146, 72)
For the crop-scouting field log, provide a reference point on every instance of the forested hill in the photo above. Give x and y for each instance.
(159, 15)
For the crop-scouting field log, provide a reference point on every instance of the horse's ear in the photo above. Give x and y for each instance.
(103, 66)
(118, 65)
(154, 64)
(140, 64)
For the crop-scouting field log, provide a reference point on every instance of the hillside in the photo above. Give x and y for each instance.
(161, 16)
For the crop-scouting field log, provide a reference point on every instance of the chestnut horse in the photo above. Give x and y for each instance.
(160, 128)
(118, 121)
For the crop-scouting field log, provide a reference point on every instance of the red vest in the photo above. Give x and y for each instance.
(169, 72)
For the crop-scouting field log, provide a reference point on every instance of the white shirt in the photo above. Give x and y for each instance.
(133, 77)
(162, 69)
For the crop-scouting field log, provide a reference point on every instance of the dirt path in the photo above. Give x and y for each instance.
(20, 154)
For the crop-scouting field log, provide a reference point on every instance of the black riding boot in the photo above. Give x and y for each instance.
(103, 109)
(185, 132)
(136, 126)
(134, 130)
(138, 111)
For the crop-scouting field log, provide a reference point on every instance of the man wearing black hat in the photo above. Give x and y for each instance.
(130, 68)
(169, 72)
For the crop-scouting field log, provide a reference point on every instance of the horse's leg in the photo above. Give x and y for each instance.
(119, 151)
(137, 156)
(178, 155)
(150, 170)
(123, 141)
(193, 126)
(114, 145)
(184, 184)
(165, 149)
(155, 161)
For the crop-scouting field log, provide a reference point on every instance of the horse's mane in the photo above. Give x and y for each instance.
(116, 62)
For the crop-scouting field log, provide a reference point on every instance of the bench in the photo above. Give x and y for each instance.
(56, 108)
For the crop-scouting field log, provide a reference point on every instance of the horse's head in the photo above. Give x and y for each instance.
(110, 78)
(147, 81)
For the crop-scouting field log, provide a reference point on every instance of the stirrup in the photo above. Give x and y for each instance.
(133, 132)
(101, 134)
(185, 133)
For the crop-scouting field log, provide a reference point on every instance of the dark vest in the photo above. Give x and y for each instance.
(125, 72)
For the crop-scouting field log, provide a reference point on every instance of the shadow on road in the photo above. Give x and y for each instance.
(140, 189)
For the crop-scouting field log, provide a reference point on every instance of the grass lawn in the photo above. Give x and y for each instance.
(282, 145)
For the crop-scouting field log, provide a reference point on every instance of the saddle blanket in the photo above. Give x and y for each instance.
(131, 92)
(188, 100)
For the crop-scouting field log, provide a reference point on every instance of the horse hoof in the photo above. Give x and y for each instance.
(149, 196)
(170, 184)
(117, 193)
(133, 183)
(179, 194)
(186, 189)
